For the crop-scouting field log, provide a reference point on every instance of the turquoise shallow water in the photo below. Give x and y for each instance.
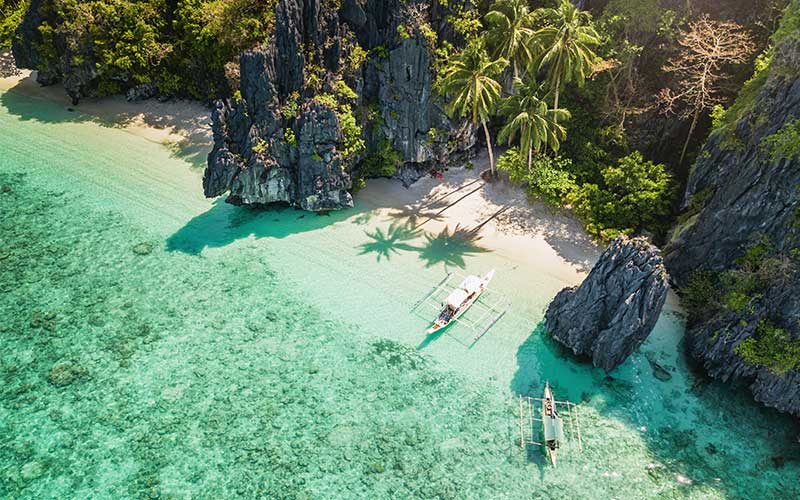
(154, 344)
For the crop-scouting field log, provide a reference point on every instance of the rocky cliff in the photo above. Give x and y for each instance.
(616, 307)
(335, 95)
(734, 253)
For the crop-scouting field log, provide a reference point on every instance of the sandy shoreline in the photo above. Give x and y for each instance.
(181, 125)
(498, 216)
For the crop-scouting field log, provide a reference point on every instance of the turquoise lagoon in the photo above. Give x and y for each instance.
(154, 344)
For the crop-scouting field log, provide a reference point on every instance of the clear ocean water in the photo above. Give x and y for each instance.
(154, 344)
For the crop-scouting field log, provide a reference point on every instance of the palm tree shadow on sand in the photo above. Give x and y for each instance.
(416, 213)
(385, 244)
(449, 248)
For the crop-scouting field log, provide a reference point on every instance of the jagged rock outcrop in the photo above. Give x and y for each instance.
(74, 62)
(744, 189)
(616, 307)
(290, 137)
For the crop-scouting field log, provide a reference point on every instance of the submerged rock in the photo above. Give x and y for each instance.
(64, 374)
(143, 248)
(614, 310)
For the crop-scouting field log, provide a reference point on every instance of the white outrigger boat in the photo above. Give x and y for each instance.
(460, 300)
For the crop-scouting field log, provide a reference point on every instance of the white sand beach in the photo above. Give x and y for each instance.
(498, 214)
(184, 126)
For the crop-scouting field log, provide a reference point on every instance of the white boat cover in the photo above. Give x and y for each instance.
(471, 284)
(456, 298)
(553, 429)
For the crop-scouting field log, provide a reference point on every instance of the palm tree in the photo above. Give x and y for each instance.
(531, 117)
(567, 46)
(471, 85)
(511, 29)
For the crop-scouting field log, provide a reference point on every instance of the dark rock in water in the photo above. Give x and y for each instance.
(741, 192)
(711, 449)
(614, 310)
(64, 374)
(660, 372)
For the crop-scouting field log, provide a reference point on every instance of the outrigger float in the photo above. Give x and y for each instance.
(455, 304)
(553, 436)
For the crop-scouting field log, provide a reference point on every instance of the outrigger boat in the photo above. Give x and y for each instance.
(554, 438)
(460, 300)
(552, 425)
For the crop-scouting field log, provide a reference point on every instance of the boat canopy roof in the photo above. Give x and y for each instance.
(456, 298)
(471, 284)
(553, 429)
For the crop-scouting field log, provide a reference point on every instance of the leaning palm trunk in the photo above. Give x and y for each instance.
(530, 158)
(555, 97)
(489, 147)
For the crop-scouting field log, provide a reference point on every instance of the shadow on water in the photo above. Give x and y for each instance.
(679, 436)
(192, 148)
(224, 224)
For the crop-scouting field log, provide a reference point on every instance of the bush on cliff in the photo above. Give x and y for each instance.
(771, 347)
(11, 12)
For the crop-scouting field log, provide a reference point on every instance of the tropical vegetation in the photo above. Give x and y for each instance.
(470, 82)
(568, 91)
(11, 12)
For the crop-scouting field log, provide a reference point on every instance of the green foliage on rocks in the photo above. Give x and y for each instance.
(383, 162)
(734, 290)
(725, 120)
(352, 142)
(785, 143)
(184, 46)
(11, 12)
(771, 347)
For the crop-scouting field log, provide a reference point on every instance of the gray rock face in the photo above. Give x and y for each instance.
(74, 65)
(322, 180)
(408, 108)
(744, 193)
(263, 153)
(616, 307)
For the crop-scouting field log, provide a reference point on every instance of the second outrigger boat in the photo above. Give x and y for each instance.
(552, 426)
(460, 300)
